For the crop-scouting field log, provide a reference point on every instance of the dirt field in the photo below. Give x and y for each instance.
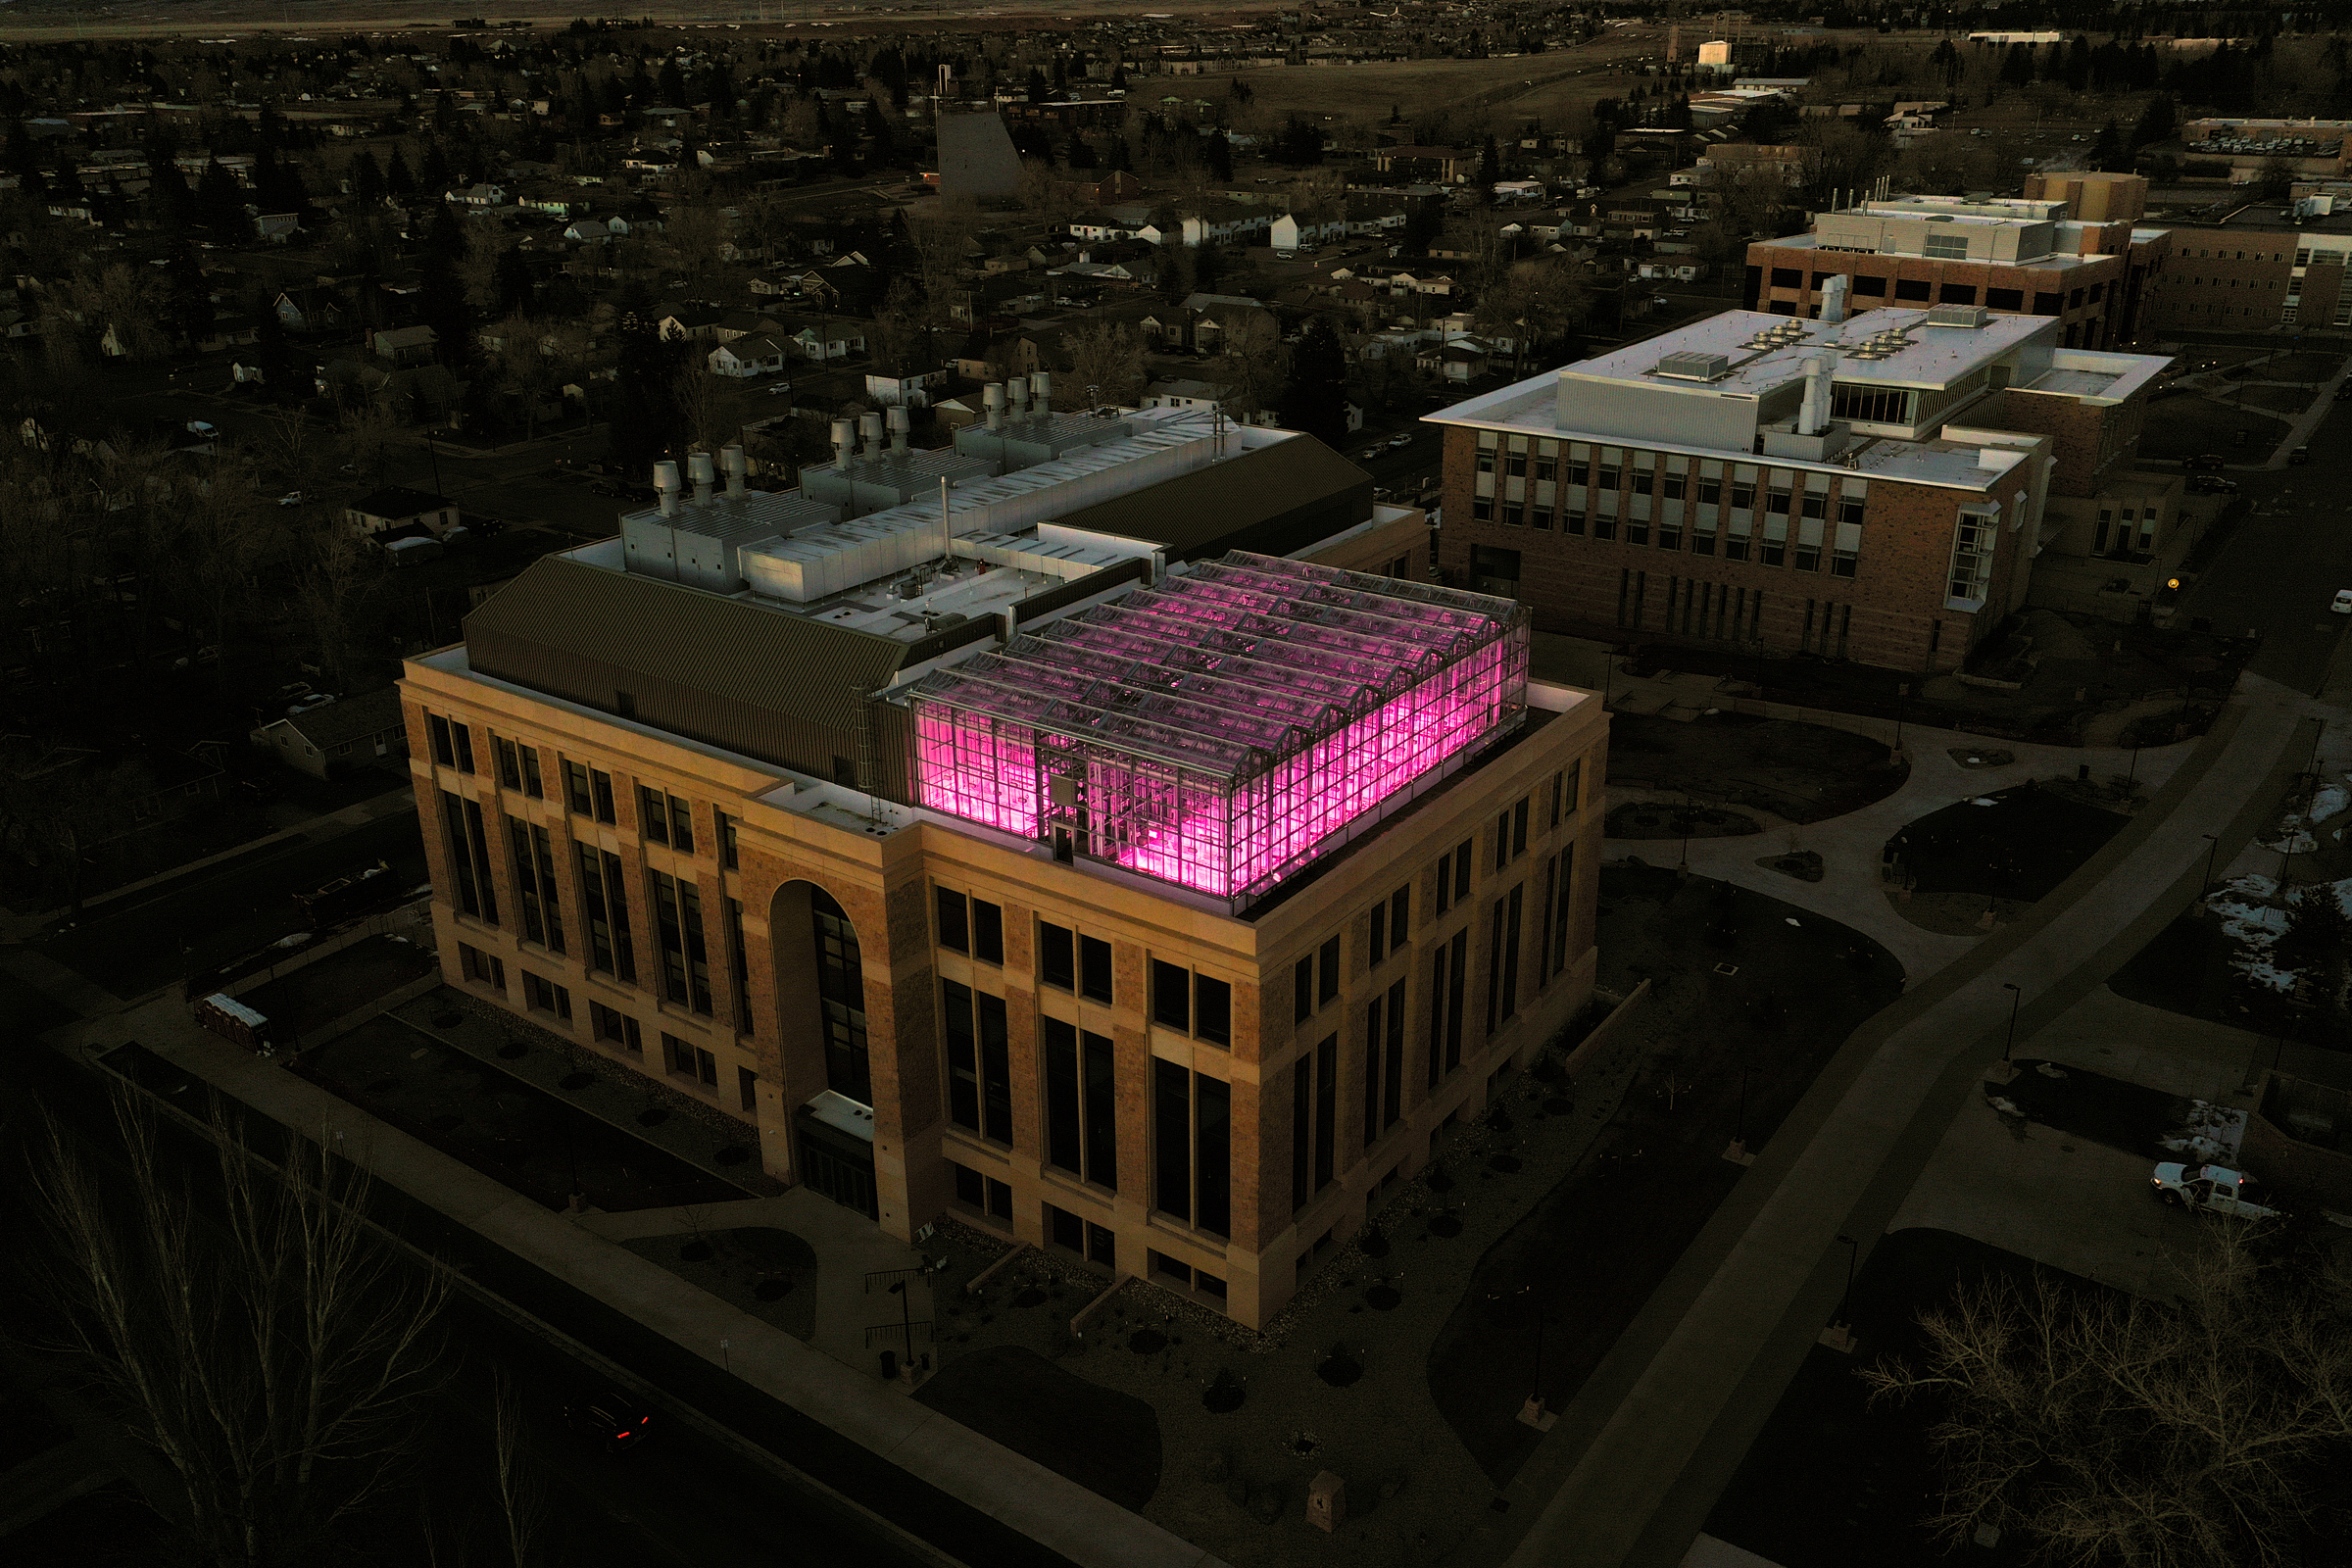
(1548, 87)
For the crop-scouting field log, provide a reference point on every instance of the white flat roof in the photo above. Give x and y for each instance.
(1928, 356)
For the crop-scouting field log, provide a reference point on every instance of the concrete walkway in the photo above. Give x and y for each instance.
(1851, 891)
(1636, 1463)
(1059, 1514)
(848, 1246)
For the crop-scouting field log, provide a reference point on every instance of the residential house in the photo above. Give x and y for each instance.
(1290, 232)
(1181, 393)
(310, 310)
(404, 345)
(482, 196)
(693, 323)
(334, 740)
(396, 507)
(751, 353)
(1446, 165)
(824, 338)
(903, 383)
(277, 229)
(1225, 225)
(596, 231)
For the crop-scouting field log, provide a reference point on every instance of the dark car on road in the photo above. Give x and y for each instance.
(2299, 456)
(2205, 462)
(614, 1422)
(2211, 484)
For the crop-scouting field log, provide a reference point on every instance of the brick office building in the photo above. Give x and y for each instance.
(1870, 488)
(1042, 856)
(2238, 279)
(2027, 256)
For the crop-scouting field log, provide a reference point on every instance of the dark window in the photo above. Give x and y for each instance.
(1326, 1107)
(1171, 996)
(988, 931)
(1094, 969)
(1171, 1138)
(685, 959)
(1502, 838)
(1102, 1246)
(1303, 1091)
(1910, 288)
(1457, 982)
(1062, 1228)
(738, 973)
(545, 996)
(444, 752)
(1493, 570)
(1863, 283)
(535, 883)
(1503, 968)
(485, 967)
(1377, 947)
(841, 993)
(1959, 294)
(970, 1186)
(617, 1027)
(963, 1054)
(1787, 277)
(1102, 1113)
(999, 1201)
(1302, 990)
(681, 826)
(575, 788)
(1327, 972)
(599, 785)
(509, 763)
(609, 947)
(955, 921)
(747, 1085)
(1166, 1266)
(1375, 1035)
(1400, 916)
(1519, 829)
(996, 1070)
(653, 814)
(1208, 1283)
(1213, 1155)
(2048, 304)
(1063, 1140)
(1212, 1010)
(1392, 1061)
(464, 736)
(1057, 955)
(2006, 299)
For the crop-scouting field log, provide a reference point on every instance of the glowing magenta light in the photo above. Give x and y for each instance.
(1219, 730)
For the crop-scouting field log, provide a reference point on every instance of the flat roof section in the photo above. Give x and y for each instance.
(1765, 353)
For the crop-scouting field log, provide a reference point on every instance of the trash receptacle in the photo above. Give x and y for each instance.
(890, 1367)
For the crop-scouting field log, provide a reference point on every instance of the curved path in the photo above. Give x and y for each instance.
(1634, 1464)
(1849, 891)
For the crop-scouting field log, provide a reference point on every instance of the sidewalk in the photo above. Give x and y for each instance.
(1633, 1468)
(1851, 891)
(1059, 1515)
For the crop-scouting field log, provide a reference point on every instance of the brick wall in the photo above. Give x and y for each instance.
(2222, 280)
(2085, 321)
(2088, 444)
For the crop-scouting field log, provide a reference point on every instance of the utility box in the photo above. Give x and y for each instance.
(1327, 1501)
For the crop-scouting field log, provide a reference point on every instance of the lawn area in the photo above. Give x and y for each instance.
(2189, 425)
(2019, 847)
(2083, 1103)
(759, 1269)
(1746, 1048)
(1804, 772)
(1106, 1441)
(342, 982)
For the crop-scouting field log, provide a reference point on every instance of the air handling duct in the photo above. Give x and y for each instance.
(1814, 418)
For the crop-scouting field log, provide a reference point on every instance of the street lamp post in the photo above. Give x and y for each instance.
(1902, 702)
(906, 1317)
(2015, 996)
(2212, 847)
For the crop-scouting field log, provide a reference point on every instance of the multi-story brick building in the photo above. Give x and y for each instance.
(1870, 488)
(2070, 250)
(989, 833)
(2242, 280)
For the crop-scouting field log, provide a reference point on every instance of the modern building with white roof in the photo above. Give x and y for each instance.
(1867, 487)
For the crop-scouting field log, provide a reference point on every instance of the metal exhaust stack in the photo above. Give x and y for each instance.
(1814, 416)
(897, 418)
(1041, 393)
(665, 487)
(705, 477)
(845, 442)
(993, 395)
(1018, 391)
(869, 427)
(732, 461)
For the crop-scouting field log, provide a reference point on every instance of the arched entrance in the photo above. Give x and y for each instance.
(821, 1010)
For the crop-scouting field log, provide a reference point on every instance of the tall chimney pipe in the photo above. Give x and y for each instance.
(705, 477)
(845, 442)
(1814, 416)
(1041, 393)
(1019, 392)
(1833, 299)
(896, 416)
(665, 487)
(731, 460)
(869, 426)
(993, 395)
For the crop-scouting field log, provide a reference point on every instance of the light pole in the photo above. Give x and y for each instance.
(1902, 700)
(906, 1317)
(2212, 847)
(2015, 996)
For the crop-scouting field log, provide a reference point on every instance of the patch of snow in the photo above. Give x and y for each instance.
(1983, 800)
(1790, 919)
(2296, 842)
(2326, 802)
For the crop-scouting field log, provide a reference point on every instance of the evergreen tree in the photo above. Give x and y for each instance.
(433, 177)
(444, 234)
(441, 305)
(1220, 155)
(2155, 122)
(645, 414)
(367, 180)
(188, 304)
(220, 201)
(2107, 153)
(397, 181)
(669, 85)
(1316, 401)
(1490, 170)
(510, 275)
(1118, 78)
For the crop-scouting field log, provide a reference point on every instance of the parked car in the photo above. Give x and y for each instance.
(2299, 456)
(2205, 462)
(296, 710)
(292, 497)
(2214, 1187)
(1369, 452)
(1398, 443)
(2342, 604)
(612, 1421)
(2211, 484)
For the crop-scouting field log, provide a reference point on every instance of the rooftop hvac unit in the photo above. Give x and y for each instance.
(1958, 315)
(1692, 367)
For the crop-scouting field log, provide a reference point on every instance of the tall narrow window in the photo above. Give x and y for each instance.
(1457, 988)
(685, 957)
(652, 814)
(1502, 995)
(1400, 916)
(1437, 964)
(1551, 873)
(730, 854)
(464, 883)
(1326, 1107)
(841, 993)
(1519, 830)
(1562, 894)
(1062, 1121)
(1327, 972)
(1502, 839)
(1302, 1092)
(1171, 1138)
(681, 826)
(988, 931)
(1102, 1113)
(963, 1054)
(1213, 1155)
(954, 920)
(535, 884)
(1462, 871)
(444, 750)
(1057, 955)
(1444, 881)
(1302, 990)
(600, 786)
(575, 790)
(607, 916)
(533, 785)
(509, 763)
(1094, 969)
(462, 734)
(739, 979)
(1212, 1010)
(1374, 1037)
(1392, 1061)
(1377, 947)
(1171, 996)
(996, 1069)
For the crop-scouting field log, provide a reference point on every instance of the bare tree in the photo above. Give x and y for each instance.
(522, 1496)
(1106, 362)
(58, 804)
(703, 412)
(119, 306)
(275, 1357)
(691, 237)
(2197, 1432)
(338, 579)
